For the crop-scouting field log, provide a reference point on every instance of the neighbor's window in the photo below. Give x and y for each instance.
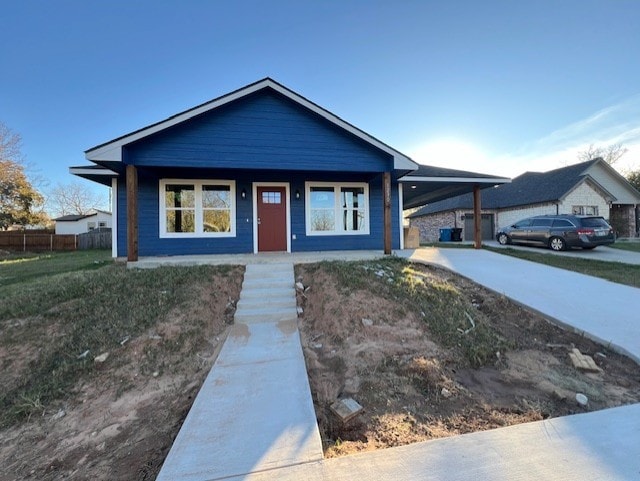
(585, 210)
(197, 208)
(337, 208)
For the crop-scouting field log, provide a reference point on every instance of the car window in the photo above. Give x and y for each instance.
(542, 222)
(523, 223)
(594, 222)
(562, 223)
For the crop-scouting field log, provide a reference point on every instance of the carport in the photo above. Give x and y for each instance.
(430, 184)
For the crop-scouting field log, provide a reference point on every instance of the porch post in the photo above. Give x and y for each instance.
(477, 218)
(132, 213)
(386, 196)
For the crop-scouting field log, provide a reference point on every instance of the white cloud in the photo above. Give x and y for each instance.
(616, 124)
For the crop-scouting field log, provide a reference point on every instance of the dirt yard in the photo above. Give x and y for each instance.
(119, 424)
(374, 332)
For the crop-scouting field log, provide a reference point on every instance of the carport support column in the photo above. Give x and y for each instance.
(132, 213)
(477, 218)
(386, 197)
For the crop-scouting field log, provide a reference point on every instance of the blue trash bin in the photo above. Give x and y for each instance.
(445, 234)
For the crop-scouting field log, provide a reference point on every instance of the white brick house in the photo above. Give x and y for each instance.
(588, 188)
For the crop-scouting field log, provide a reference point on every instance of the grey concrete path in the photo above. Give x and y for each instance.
(254, 412)
(603, 310)
(602, 253)
(599, 446)
(261, 258)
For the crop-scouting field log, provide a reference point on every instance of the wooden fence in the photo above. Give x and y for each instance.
(29, 242)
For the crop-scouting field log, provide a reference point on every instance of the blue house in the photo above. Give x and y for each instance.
(259, 169)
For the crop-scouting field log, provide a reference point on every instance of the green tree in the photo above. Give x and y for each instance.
(20, 202)
(634, 179)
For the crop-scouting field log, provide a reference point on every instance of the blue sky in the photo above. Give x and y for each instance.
(498, 87)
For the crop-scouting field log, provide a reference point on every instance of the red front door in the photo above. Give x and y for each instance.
(272, 219)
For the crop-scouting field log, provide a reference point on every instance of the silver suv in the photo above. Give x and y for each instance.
(559, 232)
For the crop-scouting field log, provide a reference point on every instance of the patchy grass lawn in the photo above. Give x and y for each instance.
(18, 267)
(429, 354)
(612, 271)
(633, 246)
(62, 414)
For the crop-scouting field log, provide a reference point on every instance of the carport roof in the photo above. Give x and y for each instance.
(430, 184)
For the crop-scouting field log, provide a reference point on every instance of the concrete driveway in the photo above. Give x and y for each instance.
(602, 253)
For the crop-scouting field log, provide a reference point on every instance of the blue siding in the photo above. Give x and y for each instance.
(150, 244)
(261, 131)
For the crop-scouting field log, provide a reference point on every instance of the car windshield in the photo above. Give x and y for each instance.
(594, 222)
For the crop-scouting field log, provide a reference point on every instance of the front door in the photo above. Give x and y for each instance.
(272, 219)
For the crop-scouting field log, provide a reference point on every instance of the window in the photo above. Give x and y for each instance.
(541, 222)
(562, 223)
(102, 224)
(197, 208)
(337, 208)
(584, 210)
(91, 225)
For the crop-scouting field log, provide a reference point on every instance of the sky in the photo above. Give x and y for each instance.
(497, 87)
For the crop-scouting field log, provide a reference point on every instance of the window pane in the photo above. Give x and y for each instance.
(323, 220)
(271, 198)
(353, 220)
(216, 196)
(179, 195)
(216, 221)
(352, 197)
(322, 198)
(181, 220)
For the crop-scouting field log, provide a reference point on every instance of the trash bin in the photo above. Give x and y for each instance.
(456, 234)
(445, 235)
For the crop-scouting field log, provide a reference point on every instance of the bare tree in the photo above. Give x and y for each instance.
(73, 198)
(610, 153)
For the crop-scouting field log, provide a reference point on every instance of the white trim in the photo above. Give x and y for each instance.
(467, 180)
(114, 217)
(198, 184)
(337, 208)
(400, 219)
(112, 151)
(254, 190)
(87, 171)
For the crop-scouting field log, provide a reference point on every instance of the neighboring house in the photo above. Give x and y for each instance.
(587, 188)
(79, 224)
(259, 169)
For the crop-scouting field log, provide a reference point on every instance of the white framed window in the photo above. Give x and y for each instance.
(197, 208)
(337, 208)
(584, 210)
(91, 225)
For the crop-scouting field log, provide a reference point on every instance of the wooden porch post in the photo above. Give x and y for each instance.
(132, 213)
(386, 196)
(477, 218)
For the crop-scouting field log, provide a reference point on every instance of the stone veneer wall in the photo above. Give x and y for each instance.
(623, 220)
(430, 225)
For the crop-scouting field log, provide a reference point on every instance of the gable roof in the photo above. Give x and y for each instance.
(526, 189)
(73, 217)
(112, 151)
(77, 217)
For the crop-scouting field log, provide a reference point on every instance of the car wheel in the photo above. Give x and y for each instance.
(557, 244)
(503, 239)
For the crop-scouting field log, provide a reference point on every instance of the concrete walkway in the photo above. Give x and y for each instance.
(604, 311)
(254, 412)
(600, 446)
